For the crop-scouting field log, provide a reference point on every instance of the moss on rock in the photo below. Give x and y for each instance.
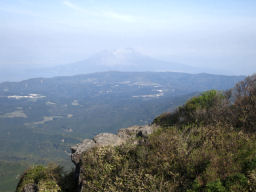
(40, 179)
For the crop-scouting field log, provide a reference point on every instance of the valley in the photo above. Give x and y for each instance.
(41, 118)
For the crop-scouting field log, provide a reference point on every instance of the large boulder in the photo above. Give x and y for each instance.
(78, 149)
(124, 135)
(108, 139)
(136, 131)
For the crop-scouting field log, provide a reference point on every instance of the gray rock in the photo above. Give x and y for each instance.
(136, 131)
(78, 149)
(108, 139)
(101, 140)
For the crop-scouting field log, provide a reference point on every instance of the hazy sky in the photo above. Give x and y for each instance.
(210, 33)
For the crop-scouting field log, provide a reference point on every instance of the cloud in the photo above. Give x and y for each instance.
(73, 6)
(103, 14)
(118, 16)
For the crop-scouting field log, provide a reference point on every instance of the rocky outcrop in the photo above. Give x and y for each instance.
(136, 131)
(108, 139)
(78, 149)
(100, 140)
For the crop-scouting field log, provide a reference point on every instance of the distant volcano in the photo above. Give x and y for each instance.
(125, 60)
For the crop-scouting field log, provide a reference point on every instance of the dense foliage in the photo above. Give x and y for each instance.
(39, 131)
(202, 109)
(234, 108)
(206, 145)
(47, 179)
(206, 158)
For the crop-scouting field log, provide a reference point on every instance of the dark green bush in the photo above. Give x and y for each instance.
(197, 110)
(51, 178)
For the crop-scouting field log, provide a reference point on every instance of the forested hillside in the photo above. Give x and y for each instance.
(208, 144)
(41, 118)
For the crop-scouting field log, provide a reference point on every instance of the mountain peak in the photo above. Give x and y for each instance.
(124, 51)
(117, 57)
(123, 60)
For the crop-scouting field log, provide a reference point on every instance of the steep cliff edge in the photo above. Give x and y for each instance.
(124, 136)
(52, 178)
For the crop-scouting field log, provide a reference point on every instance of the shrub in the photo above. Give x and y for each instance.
(47, 179)
(194, 158)
(201, 109)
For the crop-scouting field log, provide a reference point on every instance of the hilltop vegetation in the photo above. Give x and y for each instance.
(206, 145)
(46, 179)
(41, 118)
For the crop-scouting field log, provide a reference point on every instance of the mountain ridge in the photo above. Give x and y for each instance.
(124, 60)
